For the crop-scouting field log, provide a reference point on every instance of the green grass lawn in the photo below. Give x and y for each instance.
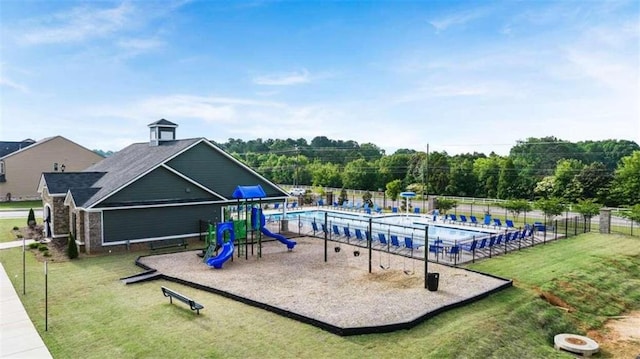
(6, 228)
(21, 205)
(93, 315)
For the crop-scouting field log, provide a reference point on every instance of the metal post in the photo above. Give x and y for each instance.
(369, 243)
(46, 298)
(325, 236)
(426, 255)
(24, 268)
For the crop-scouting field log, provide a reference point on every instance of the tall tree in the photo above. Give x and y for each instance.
(625, 188)
(359, 174)
(508, 181)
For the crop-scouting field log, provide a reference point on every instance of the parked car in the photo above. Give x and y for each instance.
(297, 191)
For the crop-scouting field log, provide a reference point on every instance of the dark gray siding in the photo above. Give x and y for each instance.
(159, 185)
(218, 172)
(132, 224)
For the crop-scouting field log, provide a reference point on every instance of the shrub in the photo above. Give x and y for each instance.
(15, 228)
(72, 248)
(31, 219)
(46, 254)
(19, 236)
(34, 245)
(43, 247)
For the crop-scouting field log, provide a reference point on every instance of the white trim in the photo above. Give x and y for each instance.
(150, 239)
(188, 179)
(145, 206)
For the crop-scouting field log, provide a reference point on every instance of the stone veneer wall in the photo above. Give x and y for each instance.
(60, 220)
(59, 214)
(93, 232)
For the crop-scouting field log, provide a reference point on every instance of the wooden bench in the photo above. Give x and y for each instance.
(173, 294)
(168, 244)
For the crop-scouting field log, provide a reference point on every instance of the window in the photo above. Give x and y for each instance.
(1, 167)
(166, 135)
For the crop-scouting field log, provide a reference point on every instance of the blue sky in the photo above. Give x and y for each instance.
(460, 76)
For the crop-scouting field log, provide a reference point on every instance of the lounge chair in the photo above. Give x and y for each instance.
(336, 231)
(394, 210)
(276, 206)
(347, 233)
(416, 210)
(497, 222)
(320, 202)
(378, 209)
(487, 220)
(453, 218)
(474, 220)
(395, 242)
(315, 227)
(509, 223)
(362, 240)
(463, 219)
(408, 243)
(382, 239)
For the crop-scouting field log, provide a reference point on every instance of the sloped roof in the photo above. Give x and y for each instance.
(81, 195)
(60, 182)
(130, 163)
(8, 147)
(163, 122)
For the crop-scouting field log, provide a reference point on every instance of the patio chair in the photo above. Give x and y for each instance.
(453, 218)
(463, 219)
(276, 206)
(509, 223)
(487, 220)
(474, 220)
(347, 233)
(497, 222)
(416, 210)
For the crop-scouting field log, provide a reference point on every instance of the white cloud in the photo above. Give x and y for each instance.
(140, 44)
(80, 24)
(284, 79)
(459, 18)
(13, 85)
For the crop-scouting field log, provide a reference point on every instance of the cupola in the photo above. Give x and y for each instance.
(162, 131)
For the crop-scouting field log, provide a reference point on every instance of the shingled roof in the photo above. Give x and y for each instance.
(130, 163)
(9, 147)
(58, 183)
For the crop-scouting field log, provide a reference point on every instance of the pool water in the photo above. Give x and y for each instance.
(401, 225)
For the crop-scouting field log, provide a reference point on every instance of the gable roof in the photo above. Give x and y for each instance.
(9, 147)
(91, 187)
(128, 164)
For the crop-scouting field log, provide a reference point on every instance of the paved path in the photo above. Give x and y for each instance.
(18, 337)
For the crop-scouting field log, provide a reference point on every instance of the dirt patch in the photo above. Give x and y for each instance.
(620, 336)
(394, 279)
(555, 300)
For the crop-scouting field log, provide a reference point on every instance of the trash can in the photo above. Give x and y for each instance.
(432, 281)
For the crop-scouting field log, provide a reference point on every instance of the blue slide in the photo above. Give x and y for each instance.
(227, 247)
(217, 261)
(254, 212)
(290, 244)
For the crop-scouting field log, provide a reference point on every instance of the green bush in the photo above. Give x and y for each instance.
(31, 219)
(34, 245)
(15, 228)
(46, 254)
(19, 236)
(43, 247)
(72, 248)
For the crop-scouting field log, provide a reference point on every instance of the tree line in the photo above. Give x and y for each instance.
(607, 172)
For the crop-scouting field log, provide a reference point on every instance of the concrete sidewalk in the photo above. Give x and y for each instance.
(14, 244)
(18, 337)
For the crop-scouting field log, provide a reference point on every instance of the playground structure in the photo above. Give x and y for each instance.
(226, 233)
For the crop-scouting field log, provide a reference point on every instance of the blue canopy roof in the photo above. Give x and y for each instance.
(407, 194)
(243, 192)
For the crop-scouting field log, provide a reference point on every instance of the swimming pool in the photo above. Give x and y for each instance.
(412, 226)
